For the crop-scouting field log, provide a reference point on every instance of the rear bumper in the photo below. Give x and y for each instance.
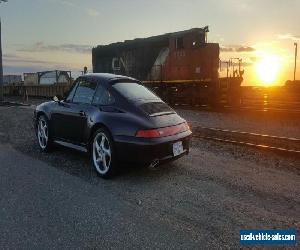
(145, 151)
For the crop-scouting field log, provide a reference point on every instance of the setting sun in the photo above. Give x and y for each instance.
(267, 69)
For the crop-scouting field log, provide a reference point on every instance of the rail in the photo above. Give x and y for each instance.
(262, 141)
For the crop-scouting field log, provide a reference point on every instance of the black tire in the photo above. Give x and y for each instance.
(109, 168)
(47, 145)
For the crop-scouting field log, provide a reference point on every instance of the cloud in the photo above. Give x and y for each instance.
(289, 36)
(243, 64)
(17, 64)
(68, 3)
(72, 48)
(245, 49)
(237, 48)
(92, 12)
(9, 56)
(12, 59)
(224, 49)
(9, 69)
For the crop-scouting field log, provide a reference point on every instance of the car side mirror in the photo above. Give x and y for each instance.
(55, 98)
(58, 98)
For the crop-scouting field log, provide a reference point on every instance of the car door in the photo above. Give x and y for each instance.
(102, 103)
(70, 117)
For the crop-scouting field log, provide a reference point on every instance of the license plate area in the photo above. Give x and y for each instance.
(177, 148)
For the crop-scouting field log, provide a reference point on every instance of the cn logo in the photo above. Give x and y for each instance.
(116, 66)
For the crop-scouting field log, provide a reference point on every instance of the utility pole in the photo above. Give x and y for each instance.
(296, 51)
(1, 69)
(1, 65)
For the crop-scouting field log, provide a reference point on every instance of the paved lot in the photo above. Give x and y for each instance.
(200, 201)
(42, 207)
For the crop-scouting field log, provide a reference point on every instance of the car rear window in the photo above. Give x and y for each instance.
(154, 108)
(132, 90)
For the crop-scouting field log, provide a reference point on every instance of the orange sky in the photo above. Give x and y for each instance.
(267, 63)
(42, 35)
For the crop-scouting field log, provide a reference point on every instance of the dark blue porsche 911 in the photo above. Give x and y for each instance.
(116, 119)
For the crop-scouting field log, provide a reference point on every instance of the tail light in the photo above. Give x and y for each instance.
(163, 132)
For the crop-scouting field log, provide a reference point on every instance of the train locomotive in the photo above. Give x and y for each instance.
(181, 67)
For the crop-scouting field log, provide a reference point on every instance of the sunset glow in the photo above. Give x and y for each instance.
(267, 69)
(241, 28)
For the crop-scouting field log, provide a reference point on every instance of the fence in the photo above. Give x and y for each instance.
(223, 92)
(37, 91)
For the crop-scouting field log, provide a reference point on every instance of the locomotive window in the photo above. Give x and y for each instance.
(179, 43)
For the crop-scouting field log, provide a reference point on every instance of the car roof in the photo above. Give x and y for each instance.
(106, 77)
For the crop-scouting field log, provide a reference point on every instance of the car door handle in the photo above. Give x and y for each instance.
(82, 113)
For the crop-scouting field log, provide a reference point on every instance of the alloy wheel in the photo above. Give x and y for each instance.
(42, 132)
(102, 153)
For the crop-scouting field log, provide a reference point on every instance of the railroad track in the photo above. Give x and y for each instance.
(287, 111)
(263, 141)
(290, 110)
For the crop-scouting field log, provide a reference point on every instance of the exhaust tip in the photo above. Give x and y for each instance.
(154, 164)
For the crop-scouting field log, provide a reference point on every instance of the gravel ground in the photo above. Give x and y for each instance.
(209, 195)
(271, 123)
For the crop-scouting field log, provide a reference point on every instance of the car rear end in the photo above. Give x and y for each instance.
(154, 150)
(163, 136)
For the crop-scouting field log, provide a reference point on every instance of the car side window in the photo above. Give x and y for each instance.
(71, 93)
(103, 96)
(84, 92)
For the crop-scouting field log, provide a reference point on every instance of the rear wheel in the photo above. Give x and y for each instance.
(43, 135)
(103, 157)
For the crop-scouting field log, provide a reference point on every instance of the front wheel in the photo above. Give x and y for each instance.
(103, 156)
(43, 134)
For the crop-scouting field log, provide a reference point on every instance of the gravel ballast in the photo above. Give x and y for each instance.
(270, 123)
